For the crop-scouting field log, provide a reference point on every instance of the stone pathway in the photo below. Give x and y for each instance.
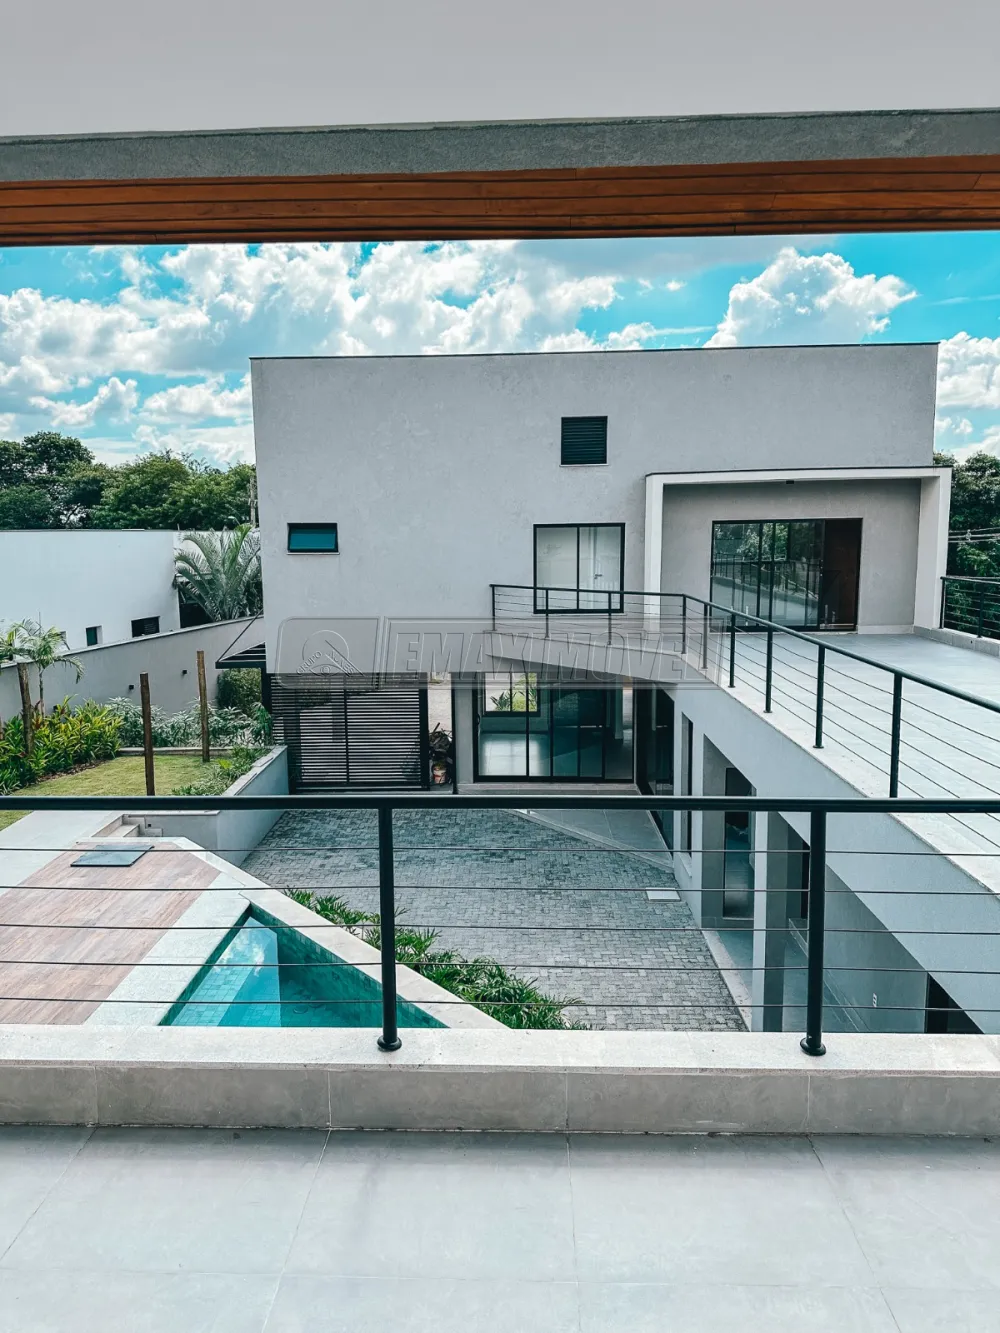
(555, 907)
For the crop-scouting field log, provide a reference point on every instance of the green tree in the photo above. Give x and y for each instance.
(174, 491)
(27, 506)
(43, 648)
(975, 507)
(220, 571)
(36, 477)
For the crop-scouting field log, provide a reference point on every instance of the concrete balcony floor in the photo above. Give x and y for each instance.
(186, 1231)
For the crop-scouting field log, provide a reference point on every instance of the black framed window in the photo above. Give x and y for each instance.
(583, 440)
(579, 567)
(93, 633)
(510, 692)
(313, 538)
(145, 625)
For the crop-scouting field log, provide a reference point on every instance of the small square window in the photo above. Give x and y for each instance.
(315, 538)
(145, 625)
(93, 633)
(584, 440)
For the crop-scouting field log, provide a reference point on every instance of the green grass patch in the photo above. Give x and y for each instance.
(124, 776)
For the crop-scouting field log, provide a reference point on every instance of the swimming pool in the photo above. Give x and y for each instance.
(267, 977)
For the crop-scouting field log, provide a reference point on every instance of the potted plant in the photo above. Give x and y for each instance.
(439, 743)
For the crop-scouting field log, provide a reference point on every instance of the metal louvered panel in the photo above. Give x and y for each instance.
(584, 440)
(353, 731)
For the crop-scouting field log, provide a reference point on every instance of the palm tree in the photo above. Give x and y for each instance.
(43, 648)
(220, 571)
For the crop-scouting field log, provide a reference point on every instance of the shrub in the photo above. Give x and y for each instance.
(222, 773)
(62, 739)
(238, 687)
(226, 726)
(513, 1000)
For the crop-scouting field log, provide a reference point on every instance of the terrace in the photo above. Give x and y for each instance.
(277, 1232)
(569, 1223)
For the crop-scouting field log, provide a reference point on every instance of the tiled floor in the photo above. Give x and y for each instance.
(564, 909)
(186, 1231)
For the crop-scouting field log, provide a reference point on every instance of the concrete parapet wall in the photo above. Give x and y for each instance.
(231, 834)
(587, 1082)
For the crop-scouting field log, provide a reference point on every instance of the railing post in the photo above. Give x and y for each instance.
(732, 650)
(704, 638)
(897, 719)
(944, 603)
(546, 613)
(820, 674)
(979, 621)
(493, 605)
(684, 624)
(812, 1042)
(389, 1040)
(609, 617)
(769, 670)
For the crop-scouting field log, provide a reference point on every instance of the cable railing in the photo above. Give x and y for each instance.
(799, 673)
(971, 605)
(521, 902)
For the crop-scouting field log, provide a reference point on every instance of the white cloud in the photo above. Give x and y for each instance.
(222, 444)
(808, 299)
(114, 401)
(631, 337)
(988, 443)
(674, 285)
(198, 402)
(949, 428)
(969, 372)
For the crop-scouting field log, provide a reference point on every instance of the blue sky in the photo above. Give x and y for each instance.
(147, 347)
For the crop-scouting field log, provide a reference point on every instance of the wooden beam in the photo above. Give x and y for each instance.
(886, 194)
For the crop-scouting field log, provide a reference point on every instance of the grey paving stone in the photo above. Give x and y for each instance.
(551, 905)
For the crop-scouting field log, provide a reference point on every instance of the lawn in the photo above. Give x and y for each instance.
(118, 777)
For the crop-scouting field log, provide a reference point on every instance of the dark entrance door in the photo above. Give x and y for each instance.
(841, 569)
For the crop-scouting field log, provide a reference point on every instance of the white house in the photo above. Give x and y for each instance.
(582, 564)
(98, 587)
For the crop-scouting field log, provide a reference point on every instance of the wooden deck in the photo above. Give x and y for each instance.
(70, 934)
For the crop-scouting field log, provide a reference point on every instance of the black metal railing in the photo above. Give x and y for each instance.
(971, 605)
(820, 811)
(726, 644)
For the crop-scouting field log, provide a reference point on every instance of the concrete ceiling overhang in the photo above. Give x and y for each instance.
(836, 172)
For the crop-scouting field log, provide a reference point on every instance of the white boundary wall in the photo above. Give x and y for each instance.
(112, 671)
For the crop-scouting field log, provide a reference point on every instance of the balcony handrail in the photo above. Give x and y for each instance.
(818, 808)
(519, 800)
(727, 612)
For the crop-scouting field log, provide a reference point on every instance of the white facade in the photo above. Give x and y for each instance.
(87, 579)
(436, 471)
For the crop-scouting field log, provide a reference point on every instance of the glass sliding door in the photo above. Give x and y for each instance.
(579, 567)
(802, 573)
(526, 728)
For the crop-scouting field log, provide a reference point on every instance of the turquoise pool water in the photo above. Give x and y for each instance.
(262, 977)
